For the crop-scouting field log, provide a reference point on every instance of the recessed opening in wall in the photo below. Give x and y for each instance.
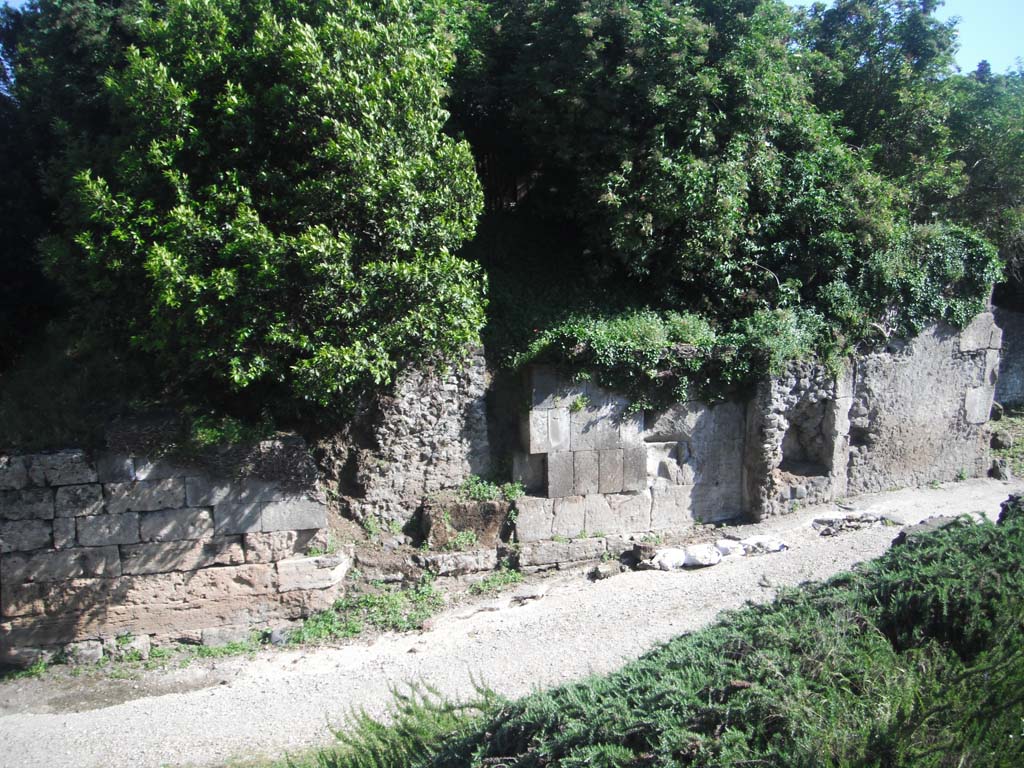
(807, 446)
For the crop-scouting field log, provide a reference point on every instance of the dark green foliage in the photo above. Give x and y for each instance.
(258, 195)
(916, 659)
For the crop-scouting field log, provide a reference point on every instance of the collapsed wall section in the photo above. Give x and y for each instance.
(94, 547)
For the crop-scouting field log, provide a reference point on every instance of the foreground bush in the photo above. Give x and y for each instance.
(916, 659)
(267, 203)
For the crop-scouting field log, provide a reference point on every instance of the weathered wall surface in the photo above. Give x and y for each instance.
(430, 434)
(908, 416)
(94, 547)
(919, 414)
(1010, 387)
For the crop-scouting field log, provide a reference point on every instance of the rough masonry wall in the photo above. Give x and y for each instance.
(1010, 387)
(919, 414)
(429, 434)
(96, 547)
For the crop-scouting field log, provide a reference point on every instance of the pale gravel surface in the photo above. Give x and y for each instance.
(285, 701)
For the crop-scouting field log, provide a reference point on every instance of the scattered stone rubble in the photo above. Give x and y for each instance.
(835, 525)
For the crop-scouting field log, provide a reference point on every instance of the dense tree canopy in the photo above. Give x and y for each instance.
(271, 195)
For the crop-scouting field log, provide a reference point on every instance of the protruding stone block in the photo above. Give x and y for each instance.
(297, 514)
(611, 471)
(978, 404)
(103, 530)
(586, 472)
(58, 566)
(547, 388)
(176, 525)
(595, 428)
(996, 339)
(535, 432)
(560, 474)
(631, 428)
(546, 553)
(203, 492)
(533, 518)
(29, 504)
(312, 572)
(84, 652)
(62, 468)
(160, 469)
(600, 520)
(24, 535)
(13, 473)
(79, 500)
(632, 511)
(634, 467)
(145, 496)
(569, 518)
(181, 555)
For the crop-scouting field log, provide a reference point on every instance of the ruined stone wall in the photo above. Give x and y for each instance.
(92, 547)
(919, 412)
(593, 469)
(1010, 387)
(429, 434)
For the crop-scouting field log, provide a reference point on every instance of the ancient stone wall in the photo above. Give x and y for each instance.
(1010, 387)
(92, 547)
(919, 412)
(593, 469)
(429, 434)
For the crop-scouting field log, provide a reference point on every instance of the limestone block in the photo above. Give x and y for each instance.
(176, 524)
(558, 430)
(64, 532)
(297, 514)
(535, 432)
(204, 492)
(611, 471)
(670, 508)
(586, 472)
(676, 423)
(145, 495)
(115, 468)
(554, 552)
(991, 367)
(996, 339)
(13, 473)
(277, 545)
(459, 563)
(978, 333)
(978, 404)
(701, 556)
(58, 566)
(634, 467)
(244, 517)
(76, 500)
(25, 535)
(595, 428)
(84, 652)
(29, 504)
(534, 517)
(312, 572)
(600, 519)
(670, 464)
(548, 388)
(62, 468)
(560, 474)
(127, 646)
(213, 637)
(101, 530)
(530, 470)
(631, 510)
(181, 555)
(160, 469)
(569, 517)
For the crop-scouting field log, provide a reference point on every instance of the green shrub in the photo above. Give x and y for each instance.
(268, 204)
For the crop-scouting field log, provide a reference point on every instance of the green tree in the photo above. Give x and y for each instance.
(261, 196)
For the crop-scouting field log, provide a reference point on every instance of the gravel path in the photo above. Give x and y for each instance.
(287, 701)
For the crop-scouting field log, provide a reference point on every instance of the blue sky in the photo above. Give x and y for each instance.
(989, 29)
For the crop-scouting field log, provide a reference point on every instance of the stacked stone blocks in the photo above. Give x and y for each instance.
(91, 548)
